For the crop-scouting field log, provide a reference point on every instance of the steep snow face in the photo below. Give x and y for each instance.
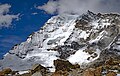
(79, 39)
(35, 50)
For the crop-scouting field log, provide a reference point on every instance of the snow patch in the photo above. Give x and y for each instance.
(23, 72)
(84, 35)
(79, 57)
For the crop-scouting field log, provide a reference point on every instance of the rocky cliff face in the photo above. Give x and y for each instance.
(87, 40)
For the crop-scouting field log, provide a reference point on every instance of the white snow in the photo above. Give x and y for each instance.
(81, 57)
(23, 72)
(28, 40)
(102, 24)
(63, 31)
(116, 47)
(118, 74)
(95, 24)
(84, 35)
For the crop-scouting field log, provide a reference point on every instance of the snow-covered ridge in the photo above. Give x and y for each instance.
(66, 37)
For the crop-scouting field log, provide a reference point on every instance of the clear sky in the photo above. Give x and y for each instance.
(30, 20)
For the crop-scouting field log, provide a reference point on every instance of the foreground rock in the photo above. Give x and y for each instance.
(89, 72)
(39, 69)
(6, 71)
(64, 65)
(37, 74)
(111, 67)
(36, 70)
(111, 73)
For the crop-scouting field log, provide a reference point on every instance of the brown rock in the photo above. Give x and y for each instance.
(112, 61)
(76, 66)
(63, 65)
(111, 73)
(56, 74)
(76, 72)
(1, 73)
(115, 67)
(107, 67)
(7, 71)
(98, 71)
(89, 72)
(60, 73)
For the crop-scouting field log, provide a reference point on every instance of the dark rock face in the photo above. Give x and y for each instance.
(75, 45)
(109, 37)
(67, 50)
(64, 65)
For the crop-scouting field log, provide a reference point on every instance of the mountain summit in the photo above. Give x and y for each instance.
(85, 39)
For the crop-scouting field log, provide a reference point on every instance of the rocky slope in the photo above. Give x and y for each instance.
(88, 40)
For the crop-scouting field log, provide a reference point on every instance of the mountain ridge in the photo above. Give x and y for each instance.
(83, 39)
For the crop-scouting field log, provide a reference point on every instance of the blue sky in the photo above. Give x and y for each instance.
(22, 28)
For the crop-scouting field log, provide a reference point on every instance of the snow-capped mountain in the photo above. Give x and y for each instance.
(81, 39)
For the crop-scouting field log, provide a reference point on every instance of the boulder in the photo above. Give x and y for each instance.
(98, 71)
(2, 73)
(89, 72)
(38, 69)
(60, 73)
(64, 65)
(111, 73)
(7, 71)
(112, 61)
(76, 72)
(115, 67)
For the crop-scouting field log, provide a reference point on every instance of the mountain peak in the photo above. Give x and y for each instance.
(79, 39)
